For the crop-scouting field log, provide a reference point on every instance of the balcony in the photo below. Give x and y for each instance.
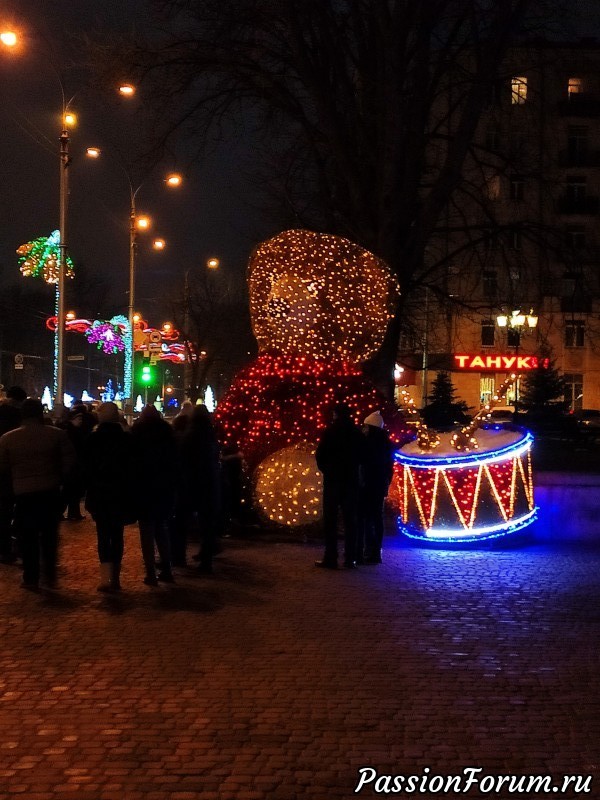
(587, 158)
(578, 205)
(583, 104)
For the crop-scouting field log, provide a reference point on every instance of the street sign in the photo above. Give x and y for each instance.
(19, 361)
(153, 358)
(75, 358)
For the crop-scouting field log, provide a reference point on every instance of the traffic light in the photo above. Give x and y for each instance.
(147, 374)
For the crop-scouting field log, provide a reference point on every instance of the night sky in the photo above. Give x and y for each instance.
(213, 214)
(208, 216)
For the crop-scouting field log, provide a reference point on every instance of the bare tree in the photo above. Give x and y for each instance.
(213, 319)
(356, 96)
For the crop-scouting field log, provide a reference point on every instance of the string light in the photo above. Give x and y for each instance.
(280, 400)
(319, 295)
(108, 336)
(40, 258)
(427, 440)
(467, 496)
(464, 440)
(288, 486)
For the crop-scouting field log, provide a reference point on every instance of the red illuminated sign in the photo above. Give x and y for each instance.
(498, 363)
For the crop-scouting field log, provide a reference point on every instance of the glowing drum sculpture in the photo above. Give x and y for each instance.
(447, 495)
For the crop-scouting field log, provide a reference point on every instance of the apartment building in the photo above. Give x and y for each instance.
(522, 235)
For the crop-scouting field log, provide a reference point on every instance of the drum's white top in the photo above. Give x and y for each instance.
(488, 440)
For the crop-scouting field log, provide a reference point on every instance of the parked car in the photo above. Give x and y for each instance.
(588, 420)
(501, 414)
(552, 423)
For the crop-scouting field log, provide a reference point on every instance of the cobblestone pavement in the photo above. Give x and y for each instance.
(272, 679)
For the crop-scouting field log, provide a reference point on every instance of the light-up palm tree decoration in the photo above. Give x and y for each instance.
(41, 258)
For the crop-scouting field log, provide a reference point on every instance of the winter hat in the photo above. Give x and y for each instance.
(375, 419)
(108, 412)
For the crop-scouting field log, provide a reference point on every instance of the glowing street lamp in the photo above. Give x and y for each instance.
(127, 89)
(213, 263)
(174, 179)
(516, 322)
(159, 244)
(9, 39)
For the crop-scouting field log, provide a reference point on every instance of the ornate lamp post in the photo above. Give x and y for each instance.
(516, 323)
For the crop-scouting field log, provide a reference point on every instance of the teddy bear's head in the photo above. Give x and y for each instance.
(319, 295)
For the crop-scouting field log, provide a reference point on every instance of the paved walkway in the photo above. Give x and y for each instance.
(274, 680)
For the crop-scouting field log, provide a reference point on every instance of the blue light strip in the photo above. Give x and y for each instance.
(128, 362)
(55, 354)
(464, 460)
(449, 535)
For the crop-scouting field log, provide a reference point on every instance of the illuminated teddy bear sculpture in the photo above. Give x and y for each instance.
(319, 306)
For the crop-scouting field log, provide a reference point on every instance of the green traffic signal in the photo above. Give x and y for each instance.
(147, 375)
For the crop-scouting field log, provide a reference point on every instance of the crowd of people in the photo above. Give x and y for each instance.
(164, 476)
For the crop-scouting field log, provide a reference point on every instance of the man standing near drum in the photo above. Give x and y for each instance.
(339, 456)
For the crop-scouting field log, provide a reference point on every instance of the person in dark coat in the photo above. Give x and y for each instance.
(339, 456)
(78, 427)
(35, 459)
(180, 519)
(156, 454)
(377, 472)
(10, 419)
(201, 480)
(109, 471)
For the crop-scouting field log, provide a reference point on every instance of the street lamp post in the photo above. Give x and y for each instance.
(212, 264)
(136, 223)
(517, 322)
(11, 40)
(128, 382)
(59, 367)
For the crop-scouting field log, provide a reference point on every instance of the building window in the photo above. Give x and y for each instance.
(577, 143)
(517, 188)
(492, 139)
(575, 237)
(576, 188)
(575, 86)
(488, 330)
(491, 240)
(576, 297)
(493, 187)
(518, 87)
(574, 390)
(513, 337)
(487, 388)
(490, 283)
(575, 333)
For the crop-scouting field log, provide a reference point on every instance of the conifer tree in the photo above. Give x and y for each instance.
(543, 388)
(444, 409)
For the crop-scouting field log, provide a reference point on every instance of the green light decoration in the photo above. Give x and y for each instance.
(40, 258)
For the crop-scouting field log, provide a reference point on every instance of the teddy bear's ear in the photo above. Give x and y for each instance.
(320, 295)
